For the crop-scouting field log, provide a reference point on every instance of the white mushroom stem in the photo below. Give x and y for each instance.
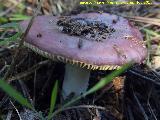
(75, 80)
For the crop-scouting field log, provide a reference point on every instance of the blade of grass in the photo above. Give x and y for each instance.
(18, 17)
(10, 39)
(7, 25)
(12, 25)
(3, 20)
(15, 37)
(53, 98)
(107, 79)
(151, 32)
(15, 94)
(98, 86)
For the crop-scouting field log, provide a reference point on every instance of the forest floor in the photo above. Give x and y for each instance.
(134, 95)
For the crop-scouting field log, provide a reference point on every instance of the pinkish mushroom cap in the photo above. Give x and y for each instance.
(122, 46)
(123, 43)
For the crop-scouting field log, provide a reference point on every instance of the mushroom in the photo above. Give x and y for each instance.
(85, 42)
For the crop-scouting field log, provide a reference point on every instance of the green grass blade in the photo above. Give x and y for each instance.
(18, 17)
(14, 94)
(10, 39)
(12, 25)
(9, 25)
(3, 20)
(14, 37)
(53, 99)
(107, 79)
(151, 32)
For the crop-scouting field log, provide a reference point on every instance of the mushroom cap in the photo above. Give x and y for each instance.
(123, 45)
